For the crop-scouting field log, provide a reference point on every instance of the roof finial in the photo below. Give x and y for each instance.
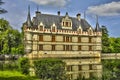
(97, 24)
(37, 8)
(29, 22)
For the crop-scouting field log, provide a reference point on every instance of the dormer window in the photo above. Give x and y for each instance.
(66, 22)
(90, 31)
(79, 30)
(41, 27)
(53, 28)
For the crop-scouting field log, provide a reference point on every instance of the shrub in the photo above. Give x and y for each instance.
(24, 65)
(52, 69)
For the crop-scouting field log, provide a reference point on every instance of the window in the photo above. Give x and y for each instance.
(67, 39)
(90, 32)
(53, 29)
(69, 68)
(53, 38)
(40, 47)
(79, 48)
(67, 24)
(79, 39)
(90, 67)
(90, 48)
(79, 67)
(67, 47)
(41, 28)
(40, 37)
(53, 47)
(90, 40)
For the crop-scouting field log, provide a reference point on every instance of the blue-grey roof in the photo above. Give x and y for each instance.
(48, 20)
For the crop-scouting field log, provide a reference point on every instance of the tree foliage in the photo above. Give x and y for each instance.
(52, 69)
(105, 40)
(10, 39)
(24, 65)
(111, 69)
(109, 44)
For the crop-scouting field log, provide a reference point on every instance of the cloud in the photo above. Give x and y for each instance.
(56, 3)
(109, 9)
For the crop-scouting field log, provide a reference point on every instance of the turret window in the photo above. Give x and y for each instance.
(53, 29)
(41, 28)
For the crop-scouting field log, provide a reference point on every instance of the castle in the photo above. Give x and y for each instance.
(72, 39)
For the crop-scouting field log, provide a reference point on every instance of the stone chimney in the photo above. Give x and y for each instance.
(78, 16)
(58, 13)
(38, 13)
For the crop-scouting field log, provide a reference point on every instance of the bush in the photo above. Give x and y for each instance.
(24, 65)
(50, 69)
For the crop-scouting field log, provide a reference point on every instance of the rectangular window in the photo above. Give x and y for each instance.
(53, 29)
(41, 28)
(67, 39)
(67, 47)
(64, 47)
(63, 38)
(40, 47)
(79, 67)
(79, 39)
(69, 68)
(53, 38)
(90, 67)
(90, 40)
(53, 47)
(40, 37)
(90, 48)
(79, 48)
(66, 24)
(70, 39)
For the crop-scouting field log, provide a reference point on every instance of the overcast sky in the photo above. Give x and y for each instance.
(107, 10)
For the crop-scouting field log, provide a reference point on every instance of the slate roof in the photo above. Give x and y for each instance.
(48, 20)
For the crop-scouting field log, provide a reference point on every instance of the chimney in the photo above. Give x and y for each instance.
(58, 13)
(78, 16)
(38, 13)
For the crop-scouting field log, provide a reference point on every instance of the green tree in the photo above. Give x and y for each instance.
(117, 45)
(11, 40)
(105, 40)
(53, 69)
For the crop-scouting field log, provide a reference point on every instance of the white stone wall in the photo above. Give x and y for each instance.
(59, 38)
(59, 47)
(74, 39)
(85, 39)
(46, 37)
(85, 47)
(47, 47)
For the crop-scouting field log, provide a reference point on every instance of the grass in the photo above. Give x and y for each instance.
(15, 75)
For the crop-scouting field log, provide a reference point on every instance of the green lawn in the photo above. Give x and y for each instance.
(14, 75)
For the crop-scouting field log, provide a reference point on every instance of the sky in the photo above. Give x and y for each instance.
(108, 11)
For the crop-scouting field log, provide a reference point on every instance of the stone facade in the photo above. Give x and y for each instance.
(69, 38)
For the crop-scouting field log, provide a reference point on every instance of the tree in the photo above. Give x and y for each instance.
(1, 9)
(105, 40)
(53, 69)
(11, 40)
